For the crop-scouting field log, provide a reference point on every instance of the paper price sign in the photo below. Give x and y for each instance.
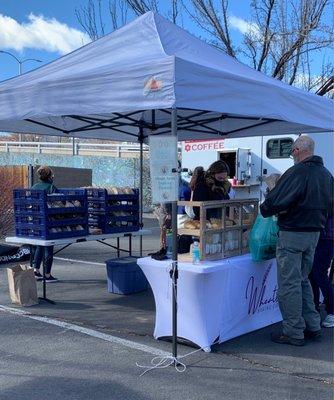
(163, 158)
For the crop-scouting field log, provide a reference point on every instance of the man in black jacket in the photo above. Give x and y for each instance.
(302, 200)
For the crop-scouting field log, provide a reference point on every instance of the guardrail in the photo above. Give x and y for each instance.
(74, 148)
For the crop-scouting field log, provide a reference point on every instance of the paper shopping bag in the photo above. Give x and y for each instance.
(22, 285)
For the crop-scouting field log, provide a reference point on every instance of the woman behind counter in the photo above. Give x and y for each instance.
(44, 253)
(212, 185)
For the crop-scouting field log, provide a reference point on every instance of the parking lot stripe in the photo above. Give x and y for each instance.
(79, 261)
(87, 331)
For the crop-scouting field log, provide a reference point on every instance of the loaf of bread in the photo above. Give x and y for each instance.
(128, 190)
(112, 190)
(216, 223)
(190, 224)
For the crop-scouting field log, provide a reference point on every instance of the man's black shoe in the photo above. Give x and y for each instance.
(312, 335)
(284, 339)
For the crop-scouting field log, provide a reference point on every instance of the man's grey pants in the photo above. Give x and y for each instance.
(294, 254)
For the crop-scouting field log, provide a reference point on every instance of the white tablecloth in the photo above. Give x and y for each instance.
(219, 299)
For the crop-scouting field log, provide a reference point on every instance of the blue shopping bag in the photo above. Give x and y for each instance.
(263, 238)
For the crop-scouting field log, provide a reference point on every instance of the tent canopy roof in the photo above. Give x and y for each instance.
(133, 77)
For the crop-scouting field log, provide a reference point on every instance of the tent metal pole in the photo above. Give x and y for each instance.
(30, 175)
(141, 205)
(174, 271)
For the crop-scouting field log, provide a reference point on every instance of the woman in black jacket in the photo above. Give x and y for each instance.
(212, 185)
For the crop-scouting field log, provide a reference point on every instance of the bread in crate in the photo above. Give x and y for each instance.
(113, 209)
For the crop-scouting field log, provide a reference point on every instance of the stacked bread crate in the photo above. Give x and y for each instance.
(50, 216)
(223, 228)
(113, 210)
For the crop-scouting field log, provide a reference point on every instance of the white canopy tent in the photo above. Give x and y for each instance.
(151, 77)
(133, 77)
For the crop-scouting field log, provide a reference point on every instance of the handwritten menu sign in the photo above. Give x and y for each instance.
(163, 158)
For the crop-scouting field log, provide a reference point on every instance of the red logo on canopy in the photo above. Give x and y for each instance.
(152, 85)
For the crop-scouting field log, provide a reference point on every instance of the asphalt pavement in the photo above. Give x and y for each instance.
(87, 345)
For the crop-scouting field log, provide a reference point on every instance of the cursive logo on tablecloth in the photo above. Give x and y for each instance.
(257, 296)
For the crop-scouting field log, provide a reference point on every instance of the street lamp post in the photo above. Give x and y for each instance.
(20, 62)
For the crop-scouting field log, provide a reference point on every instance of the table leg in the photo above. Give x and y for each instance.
(32, 253)
(141, 246)
(130, 245)
(44, 298)
(118, 249)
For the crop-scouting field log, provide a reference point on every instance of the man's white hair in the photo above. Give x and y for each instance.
(305, 143)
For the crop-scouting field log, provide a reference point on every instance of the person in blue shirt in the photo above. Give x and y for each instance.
(184, 195)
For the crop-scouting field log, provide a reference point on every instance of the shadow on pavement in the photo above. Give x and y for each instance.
(59, 388)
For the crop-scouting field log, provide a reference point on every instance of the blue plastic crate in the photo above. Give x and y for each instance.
(100, 199)
(29, 194)
(35, 218)
(98, 205)
(110, 224)
(25, 207)
(125, 276)
(102, 208)
(22, 220)
(102, 194)
(106, 228)
(110, 218)
(42, 232)
(41, 195)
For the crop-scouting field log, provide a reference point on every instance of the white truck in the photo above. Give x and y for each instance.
(250, 159)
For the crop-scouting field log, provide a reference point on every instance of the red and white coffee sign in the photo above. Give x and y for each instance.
(203, 145)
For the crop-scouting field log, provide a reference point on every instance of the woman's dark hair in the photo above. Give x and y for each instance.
(45, 173)
(217, 168)
(197, 174)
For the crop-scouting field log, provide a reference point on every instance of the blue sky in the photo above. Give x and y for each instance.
(47, 29)
(29, 16)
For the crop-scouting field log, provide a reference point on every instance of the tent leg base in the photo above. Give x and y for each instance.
(46, 300)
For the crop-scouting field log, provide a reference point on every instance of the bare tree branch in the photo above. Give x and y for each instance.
(327, 87)
(206, 14)
(141, 6)
(267, 37)
(100, 18)
(118, 11)
(309, 13)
